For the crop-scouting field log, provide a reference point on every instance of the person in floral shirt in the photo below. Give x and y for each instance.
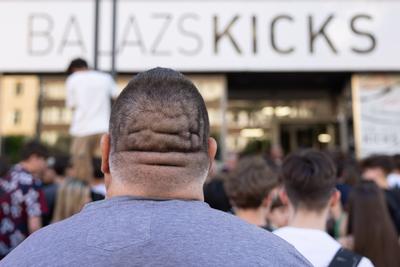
(21, 199)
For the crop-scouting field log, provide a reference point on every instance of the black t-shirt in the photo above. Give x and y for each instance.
(96, 196)
(50, 193)
(393, 203)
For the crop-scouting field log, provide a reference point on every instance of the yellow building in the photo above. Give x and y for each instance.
(18, 104)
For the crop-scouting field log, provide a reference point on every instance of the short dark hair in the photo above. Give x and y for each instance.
(77, 63)
(396, 162)
(34, 148)
(160, 111)
(250, 183)
(309, 178)
(164, 102)
(60, 163)
(378, 161)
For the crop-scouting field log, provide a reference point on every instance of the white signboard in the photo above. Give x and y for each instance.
(376, 101)
(43, 35)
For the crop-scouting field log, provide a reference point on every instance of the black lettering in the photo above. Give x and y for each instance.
(138, 41)
(70, 39)
(167, 21)
(273, 35)
(254, 33)
(218, 35)
(314, 34)
(190, 34)
(42, 34)
(368, 35)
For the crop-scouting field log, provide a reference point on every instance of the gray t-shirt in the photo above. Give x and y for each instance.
(128, 231)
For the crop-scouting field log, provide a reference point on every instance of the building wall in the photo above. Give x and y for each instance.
(18, 104)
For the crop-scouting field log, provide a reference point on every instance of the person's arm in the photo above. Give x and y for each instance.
(34, 224)
(36, 206)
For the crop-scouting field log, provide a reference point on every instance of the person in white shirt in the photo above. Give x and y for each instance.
(309, 180)
(394, 176)
(89, 95)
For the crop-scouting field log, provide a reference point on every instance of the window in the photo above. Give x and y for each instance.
(17, 117)
(19, 88)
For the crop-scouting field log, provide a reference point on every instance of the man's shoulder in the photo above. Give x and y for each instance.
(195, 231)
(246, 239)
(43, 244)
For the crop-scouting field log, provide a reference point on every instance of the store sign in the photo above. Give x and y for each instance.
(376, 101)
(42, 35)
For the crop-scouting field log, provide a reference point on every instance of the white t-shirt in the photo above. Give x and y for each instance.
(89, 93)
(316, 246)
(393, 180)
(99, 189)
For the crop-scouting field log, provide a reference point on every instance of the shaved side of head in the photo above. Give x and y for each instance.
(159, 132)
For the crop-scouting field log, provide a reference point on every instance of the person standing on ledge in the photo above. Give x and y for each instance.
(156, 159)
(89, 95)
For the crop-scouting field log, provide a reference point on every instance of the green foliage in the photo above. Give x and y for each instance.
(12, 146)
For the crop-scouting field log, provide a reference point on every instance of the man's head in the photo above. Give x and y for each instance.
(159, 136)
(396, 163)
(376, 168)
(77, 64)
(34, 156)
(250, 184)
(309, 180)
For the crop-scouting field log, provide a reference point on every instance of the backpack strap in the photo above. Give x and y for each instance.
(345, 258)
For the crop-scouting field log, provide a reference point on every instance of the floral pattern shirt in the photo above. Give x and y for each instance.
(21, 197)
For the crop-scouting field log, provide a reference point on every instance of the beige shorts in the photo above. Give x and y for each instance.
(83, 150)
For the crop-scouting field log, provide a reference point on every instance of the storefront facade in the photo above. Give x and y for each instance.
(276, 71)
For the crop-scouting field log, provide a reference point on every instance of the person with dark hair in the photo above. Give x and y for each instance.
(77, 64)
(215, 195)
(155, 158)
(376, 168)
(309, 180)
(250, 189)
(371, 231)
(394, 176)
(22, 200)
(89, 95)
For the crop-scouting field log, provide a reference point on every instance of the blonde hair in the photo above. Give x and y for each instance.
(72, 195)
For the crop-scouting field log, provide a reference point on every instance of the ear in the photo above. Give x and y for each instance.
(335, 198)
(212, 151)
(105, 153)
(267, 201)
(212, 148)
(284, 197)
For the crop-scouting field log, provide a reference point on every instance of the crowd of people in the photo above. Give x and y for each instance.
(321, 202)
(310, 208)
(39, 190)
